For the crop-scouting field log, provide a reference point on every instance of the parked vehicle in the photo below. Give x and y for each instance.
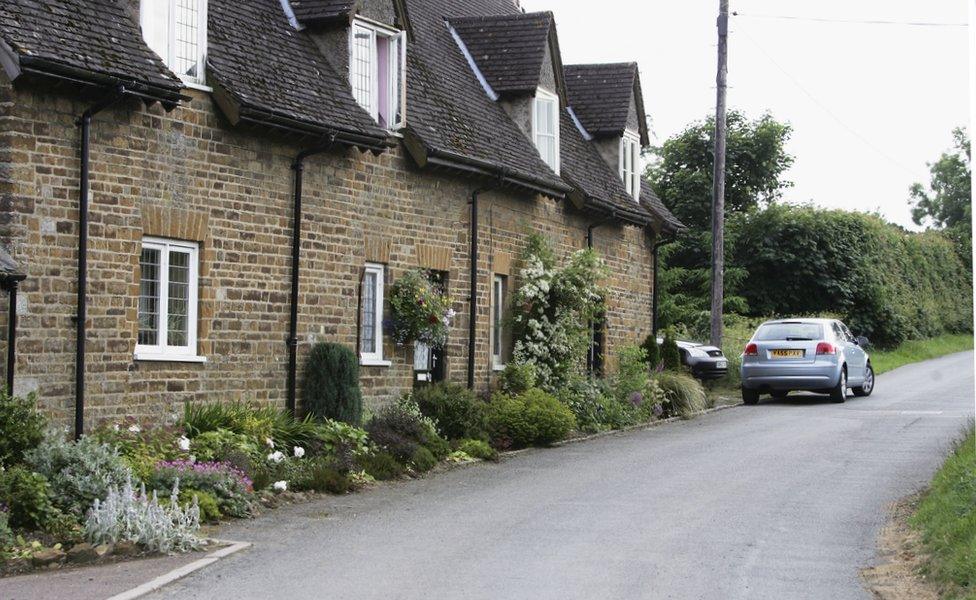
(705, 362)
(818, 355)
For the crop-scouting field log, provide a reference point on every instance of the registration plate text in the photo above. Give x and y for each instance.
(786, 353)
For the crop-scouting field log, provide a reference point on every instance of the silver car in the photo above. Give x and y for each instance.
(818, 355)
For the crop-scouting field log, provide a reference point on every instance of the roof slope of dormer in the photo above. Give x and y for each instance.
(265, 72)
(601, 97)
(655, 206)
(324, 11)
(95, 41)
(509, 49)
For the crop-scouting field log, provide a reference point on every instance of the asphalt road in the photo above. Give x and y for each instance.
(779, 501)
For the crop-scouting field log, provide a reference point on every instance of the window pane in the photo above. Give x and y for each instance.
(188, 49)
(149, 297)
(368, 323)
(179, 298)
(361, 68)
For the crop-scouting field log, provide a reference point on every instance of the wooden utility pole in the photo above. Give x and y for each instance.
(718, 179)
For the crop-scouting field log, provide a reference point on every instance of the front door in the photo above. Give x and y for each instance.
(428, 363)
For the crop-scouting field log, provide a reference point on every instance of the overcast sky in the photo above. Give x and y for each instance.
(869, 104)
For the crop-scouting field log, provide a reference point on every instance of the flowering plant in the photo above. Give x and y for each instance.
(228, 484)
(420, 312)
(552, 310)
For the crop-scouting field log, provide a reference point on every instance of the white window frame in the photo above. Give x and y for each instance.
(169, 57)
(162, 351)
(630, 143)
(499, 283)
(374, 358)
(397, 67)
(542, 95)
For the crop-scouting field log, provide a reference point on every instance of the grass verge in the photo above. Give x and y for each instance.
(917, 350)
(946, 520)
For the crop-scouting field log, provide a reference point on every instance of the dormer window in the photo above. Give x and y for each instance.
(545, 127)
(377, 62)
(630, 152)
(176, 30)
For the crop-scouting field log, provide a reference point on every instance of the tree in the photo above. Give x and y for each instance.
(949, 203)
(756, 160)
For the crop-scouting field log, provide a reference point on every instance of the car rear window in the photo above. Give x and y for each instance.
(789, 331)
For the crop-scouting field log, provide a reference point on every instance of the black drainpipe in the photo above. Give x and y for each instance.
(473, 275)
(296, 243)
(654, 288)
(10, 284)
(591, 353)
(85, 123)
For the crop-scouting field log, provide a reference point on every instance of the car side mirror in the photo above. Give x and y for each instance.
(862, 341)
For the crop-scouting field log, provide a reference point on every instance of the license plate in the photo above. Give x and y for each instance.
(722, 364)
(786, 353)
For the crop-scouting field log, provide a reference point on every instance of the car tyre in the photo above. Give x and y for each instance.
(779, 395)
(750, 397)
(839, 393)
(865, 389)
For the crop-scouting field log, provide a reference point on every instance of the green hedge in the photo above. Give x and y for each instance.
(888, 284)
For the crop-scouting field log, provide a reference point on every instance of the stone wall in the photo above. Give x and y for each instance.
(188, 175)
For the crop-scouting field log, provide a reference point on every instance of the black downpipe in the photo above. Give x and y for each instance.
(654, 288)
(12, 333)
(85, 123)
(473, 276)
(296, 250)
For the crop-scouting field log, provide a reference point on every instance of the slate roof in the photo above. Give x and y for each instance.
(448, 112)
(600, 96)
(582, 165)
(652, 203)
(309, 11)
(92, 40)
(284, 77)
(508, 49)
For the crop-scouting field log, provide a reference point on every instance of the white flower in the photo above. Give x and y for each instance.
(183, 443)
(269, 442)
(299, 451)
(276, 456)
(280, 486)
(115, 427)
(135, 428)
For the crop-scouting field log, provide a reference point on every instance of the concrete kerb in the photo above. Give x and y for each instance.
(181, 572)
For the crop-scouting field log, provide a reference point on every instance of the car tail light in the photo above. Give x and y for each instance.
(751, 350)
(826, 348)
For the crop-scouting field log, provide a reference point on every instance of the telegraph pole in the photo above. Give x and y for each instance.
(718, 179)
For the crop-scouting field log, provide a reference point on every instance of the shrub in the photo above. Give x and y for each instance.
(670, 356)
(401, 428)
(259, 423)
(224, 445)
(79, 472)
(206, 502)
(140, 445)
(534, 418)
(477, 449)
(517, 378)
(325, 477)
(331, 384)
(592, 403)
(230, 486)
(21, 427)
(422, 460)
(27, 497)
(683, 394)
(381, 465)
(458, 413)
(653, 350)
(7, 537)
(142, 519)
(341, 442)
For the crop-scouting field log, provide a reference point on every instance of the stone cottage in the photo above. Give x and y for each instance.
(199, 190)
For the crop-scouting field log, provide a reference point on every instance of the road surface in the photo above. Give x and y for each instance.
(782, 500)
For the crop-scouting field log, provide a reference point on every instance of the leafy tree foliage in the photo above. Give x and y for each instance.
(948, 203)
(756, 160)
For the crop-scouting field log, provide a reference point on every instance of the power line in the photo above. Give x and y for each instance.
(867, 142)
(851, 21)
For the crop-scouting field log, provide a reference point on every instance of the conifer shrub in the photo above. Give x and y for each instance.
(653, 351)
(331, 384)
(670, 356)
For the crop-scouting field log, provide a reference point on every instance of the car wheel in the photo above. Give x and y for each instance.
(867, 387)
(839, 393)
(779, 395)
(750, 396)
